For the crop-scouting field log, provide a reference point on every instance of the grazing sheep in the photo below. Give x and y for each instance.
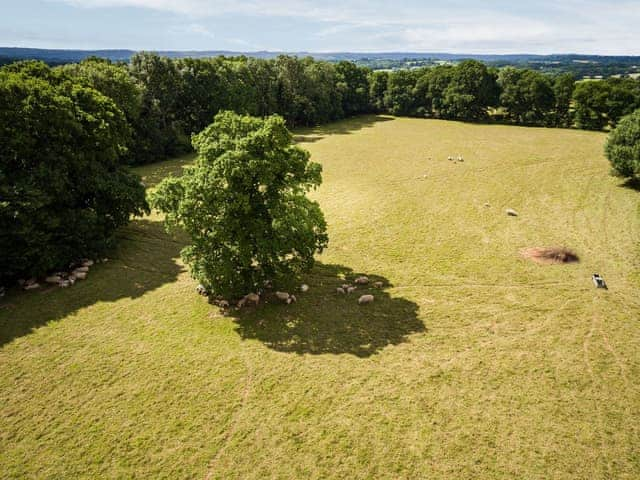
(291, 299)
(511, 212)
(378, 284)
(31, 286)
(3, 291)
(87, 263)
(364, 299)
(253, 298)
(284, 296)
(304, 288)
(81, 269)
(64, 284)
(362, 280)
(345, 286)
(202, 290)
(80, 275)
(223, 304)
(53, 279)
(340, 290)
(460, 159)
(450, 158)
(351, 289)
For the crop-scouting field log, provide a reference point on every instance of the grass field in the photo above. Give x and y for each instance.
(471, 363)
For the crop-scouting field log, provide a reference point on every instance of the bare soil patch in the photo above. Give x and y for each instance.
(550, 255)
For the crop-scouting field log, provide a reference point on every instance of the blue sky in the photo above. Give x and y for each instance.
(458, 26)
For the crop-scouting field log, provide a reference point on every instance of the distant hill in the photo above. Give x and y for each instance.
(580, 65)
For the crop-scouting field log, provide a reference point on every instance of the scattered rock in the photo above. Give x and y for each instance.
(364, 299)
(362, 280)
(511, 212)
(488, 205)
(304, 288)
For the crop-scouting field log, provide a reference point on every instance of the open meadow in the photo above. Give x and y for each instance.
(472, 362)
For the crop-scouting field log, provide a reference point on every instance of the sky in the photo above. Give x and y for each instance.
(460, 26)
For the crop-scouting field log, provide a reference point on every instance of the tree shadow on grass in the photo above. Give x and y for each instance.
(343, 127)
(631, 184)
(144, 260)
(326, 322)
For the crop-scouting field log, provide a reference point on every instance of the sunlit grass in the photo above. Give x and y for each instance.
(472, 362)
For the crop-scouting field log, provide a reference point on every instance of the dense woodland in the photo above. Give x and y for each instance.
(69, 132)
(166, 100)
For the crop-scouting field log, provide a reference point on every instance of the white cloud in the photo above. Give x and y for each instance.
(496, 26)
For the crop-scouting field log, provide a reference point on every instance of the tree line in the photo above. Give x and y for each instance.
(166, 101)
(69, 132)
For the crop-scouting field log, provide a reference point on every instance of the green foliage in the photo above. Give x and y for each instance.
(527, 95)
(159, 132)
(602, 103)
(353, 86)
(563, 87)
(470, 92)
(623, 146)
(63, 187)
(378, 82)
(244, 207)
(400, 99)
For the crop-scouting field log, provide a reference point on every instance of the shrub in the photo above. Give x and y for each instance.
(244, 207)
(63, 189)
(623, 146)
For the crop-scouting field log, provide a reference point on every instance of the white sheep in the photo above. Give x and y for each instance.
(362, 280)
(364, 299)
(378, 284)
(284, 296)
(351, 289)
(340, 290)
(304, 288)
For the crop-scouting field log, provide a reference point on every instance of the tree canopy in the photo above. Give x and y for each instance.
(244, 206)
(63, 186)
(623, 146)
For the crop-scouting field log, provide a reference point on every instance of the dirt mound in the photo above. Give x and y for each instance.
(550, 255)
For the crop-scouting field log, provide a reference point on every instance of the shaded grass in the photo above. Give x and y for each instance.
(472, 362)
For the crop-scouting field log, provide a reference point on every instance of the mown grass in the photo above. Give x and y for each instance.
(472, 362)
